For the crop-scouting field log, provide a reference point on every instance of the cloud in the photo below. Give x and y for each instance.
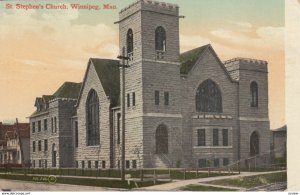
(267, 37)
(188, 42)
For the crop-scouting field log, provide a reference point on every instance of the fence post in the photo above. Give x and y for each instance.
(196, 172)
(154, 177)
(169, 173)
(184, 174)
(239, 167)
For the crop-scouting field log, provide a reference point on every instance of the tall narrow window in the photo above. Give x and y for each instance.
(161, 139)
(166, 98)
(215, 137)
(39, 126)
(33, 146)
(40, 145)
(134, 164)
(76, 133)
(254, 94)
(118, 128)
(156, 97)
(160, 39)
(254, 144)
(52, 124)
(103, 164)
(45, 125)
(55, 125)
(46, 145)
(128, 100)
(82, 164)
(92, 110)
(225, 137)
(127, 164)
(130, 44)
(201, 137)
(133, 98)
(96, 164)
(208, 97)
(33, 127)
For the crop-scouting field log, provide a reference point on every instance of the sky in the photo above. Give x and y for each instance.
(41, 49)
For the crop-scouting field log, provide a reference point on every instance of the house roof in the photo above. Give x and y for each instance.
(189, 58)
(67, 90)
(283, 128)
(10, 131)
(109, 74)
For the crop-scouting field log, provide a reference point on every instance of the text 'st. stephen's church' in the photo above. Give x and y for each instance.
(182, 109)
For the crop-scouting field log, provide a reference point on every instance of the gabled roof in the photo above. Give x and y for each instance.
(109, 74)
(189, 58)
(68, 90)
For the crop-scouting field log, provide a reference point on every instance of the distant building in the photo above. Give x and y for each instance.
(189, 109)
(11, 149)
(279, 138)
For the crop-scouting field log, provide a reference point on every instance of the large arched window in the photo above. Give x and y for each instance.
(254, 144)
(161, 139)
(129, 41)
(208, 97)
(160, 39)
(92, 119)
(254, 94)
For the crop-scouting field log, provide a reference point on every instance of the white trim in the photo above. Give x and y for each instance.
(153, 115)
(212, 147)
(254, 119)
(160, 61)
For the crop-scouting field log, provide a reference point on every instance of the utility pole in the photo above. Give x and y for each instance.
(122, 66)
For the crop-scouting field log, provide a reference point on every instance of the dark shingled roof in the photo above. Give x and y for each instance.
(109, 75)
(189, 58)
(68, 90)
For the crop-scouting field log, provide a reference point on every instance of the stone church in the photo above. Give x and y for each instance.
(182, 109)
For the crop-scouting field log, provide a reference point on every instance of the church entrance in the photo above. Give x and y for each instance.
(254, 144)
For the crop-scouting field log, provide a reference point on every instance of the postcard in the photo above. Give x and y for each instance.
(146, 95)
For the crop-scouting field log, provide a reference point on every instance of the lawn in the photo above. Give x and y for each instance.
(204, 188)
(114, 173)
(253, 181)
(82, 181)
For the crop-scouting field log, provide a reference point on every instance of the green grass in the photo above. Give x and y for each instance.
(113, 173)
(81, 181)
(204, 188)
(253, 181)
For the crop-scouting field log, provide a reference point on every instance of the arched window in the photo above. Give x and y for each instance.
(129, 41)
(254, 144)
(161, 139)
(208, 97)
(92, 119)
(254, 94)
(160, 39)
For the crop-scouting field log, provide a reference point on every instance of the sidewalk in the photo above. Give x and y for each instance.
(173, 186)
